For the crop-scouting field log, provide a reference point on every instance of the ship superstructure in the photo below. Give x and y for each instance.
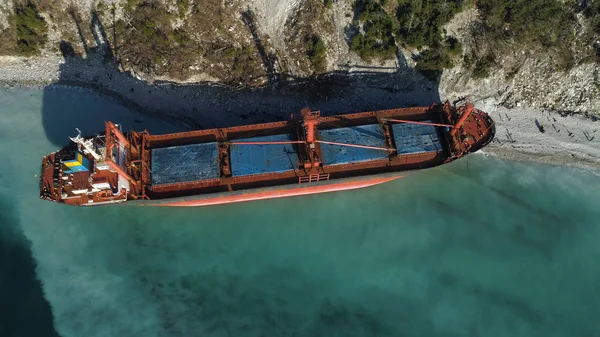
(308, 153)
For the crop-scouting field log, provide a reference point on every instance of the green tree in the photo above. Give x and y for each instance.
(377, 37)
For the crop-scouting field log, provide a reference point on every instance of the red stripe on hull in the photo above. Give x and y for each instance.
(283, 193)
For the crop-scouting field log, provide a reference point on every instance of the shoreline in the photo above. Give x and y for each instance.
(205, 105)
(552, 160)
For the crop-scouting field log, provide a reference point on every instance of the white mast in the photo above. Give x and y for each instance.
(87, 145)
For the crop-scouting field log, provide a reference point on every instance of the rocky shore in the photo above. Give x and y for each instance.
(541, 135)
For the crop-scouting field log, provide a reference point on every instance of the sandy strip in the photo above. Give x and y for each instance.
(566, 140)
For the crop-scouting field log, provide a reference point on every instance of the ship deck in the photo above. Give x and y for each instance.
(185, 163)
(273, 153)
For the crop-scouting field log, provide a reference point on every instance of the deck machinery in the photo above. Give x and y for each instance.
(309, 153)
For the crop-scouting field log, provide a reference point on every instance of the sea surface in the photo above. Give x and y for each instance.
(480, 247)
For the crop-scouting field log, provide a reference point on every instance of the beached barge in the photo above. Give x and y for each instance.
(307, 154)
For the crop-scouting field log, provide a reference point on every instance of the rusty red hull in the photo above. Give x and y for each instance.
(273, 192)
(305, 155)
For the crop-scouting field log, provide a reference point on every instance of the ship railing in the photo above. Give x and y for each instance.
(313, 178)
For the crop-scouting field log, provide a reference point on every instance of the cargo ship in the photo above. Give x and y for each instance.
(306, 154)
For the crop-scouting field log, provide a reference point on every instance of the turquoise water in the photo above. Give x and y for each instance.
(480, 247)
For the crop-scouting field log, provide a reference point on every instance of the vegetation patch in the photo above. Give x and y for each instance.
(316, 52)
(420, 26)
(416, 23)
(149, 41)
(432, 62)
(483, 67)
(549, 26)
(222, 44)
(375, 26)
(31, 29)
(206, 41)
(421, 21)
(453, 46)
(60, 17)
(305, 36)
(245, 66)
(182, 7)
(546, 22)
(592, 13)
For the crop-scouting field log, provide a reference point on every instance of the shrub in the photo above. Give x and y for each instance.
(592, 13)
(377, 39)
(316, 52)
(421, 21)
(547, 22)
(453, 46)
(153, 46)
(432, 62)
(31, 29)
(438, 57)
(483, 66)
(243, 63)
(182, 7)
(531, 24)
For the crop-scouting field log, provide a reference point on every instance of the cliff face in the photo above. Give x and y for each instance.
(533, 77)
(259, 42)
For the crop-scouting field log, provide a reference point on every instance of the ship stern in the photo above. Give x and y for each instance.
(49, 178)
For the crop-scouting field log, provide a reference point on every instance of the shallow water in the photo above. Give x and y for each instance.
(478, 247)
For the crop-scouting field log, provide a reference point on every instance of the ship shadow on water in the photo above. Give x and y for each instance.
(352, 88)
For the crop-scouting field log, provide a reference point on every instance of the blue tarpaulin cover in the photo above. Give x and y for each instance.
(73, 169)
(257, 159)
(186, 163)
(370, 135)
(415, 138)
